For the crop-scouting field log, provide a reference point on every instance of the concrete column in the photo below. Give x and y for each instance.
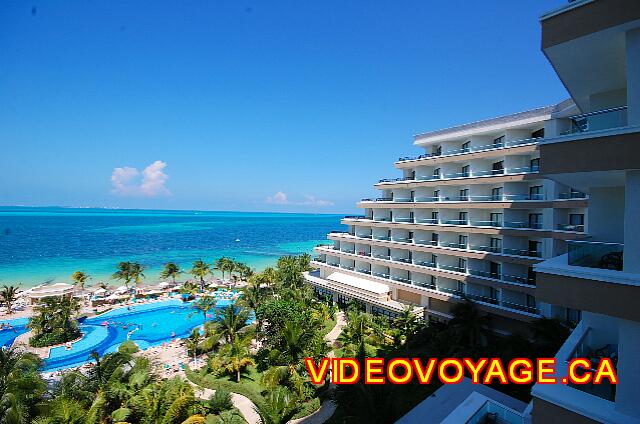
(631, 222)
(628, 368)
(633, 76)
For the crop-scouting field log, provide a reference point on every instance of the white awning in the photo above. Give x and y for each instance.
(359, 283)
(58, 289)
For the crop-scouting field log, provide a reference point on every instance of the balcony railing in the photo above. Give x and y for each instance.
(488, 198)
(570, 227)
(472, 174)
(596, 255)
(472, 149)
(572, 195)
(598, 120)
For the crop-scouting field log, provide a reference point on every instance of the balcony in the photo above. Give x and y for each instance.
(598, 120)
(596, 255)
(587, 347)
(471, 174)
(570, 227)
(474, 149)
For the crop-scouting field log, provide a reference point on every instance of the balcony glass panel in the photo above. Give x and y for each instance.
(596, 255)
(598, 120)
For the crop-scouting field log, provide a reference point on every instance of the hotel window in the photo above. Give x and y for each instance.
(462, 265)
(575, 194)
(464, 194)
(531, 301)
(388, 234)
(535, 221)
(493, 293)
(460, 287)
(496, 219)
(495, 245)
(531, 276)
(411, 217)
(535, 193)
(412, 175)
(573, 315)
(436, 194)
(463, 218)
(434, 217)
(466, 147)
(497, 168)
(434, 282)
(390, 216)
(437, 151)
(495, 270)
(411, 232)
(410, 259)
(434, 238)
(436, 173)
(538, 134)
(465, 171)
(434, 260)
(413, 196)
(496, 193)
(498, 142)
(535, 165)
(463, 242)
(534, 248)
(576, 220)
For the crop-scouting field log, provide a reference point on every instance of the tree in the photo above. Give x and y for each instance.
(21, 387)
(223, 265)
(129, 272)
(193, 343)
(467, 332)
(220, 401)
(54, 321)
(278, 408)
(235, 357)
(9, 295)
(205, 304)
(200, 270)
(79, 278)
(171, 270)
(231, 319)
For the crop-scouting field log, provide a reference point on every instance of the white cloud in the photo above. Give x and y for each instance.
(311, 200)
(280, 198)
(126, 181)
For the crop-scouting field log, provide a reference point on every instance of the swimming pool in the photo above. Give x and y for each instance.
(147, 325)
(8, 335)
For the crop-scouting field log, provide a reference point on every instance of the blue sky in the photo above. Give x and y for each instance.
(246, 105)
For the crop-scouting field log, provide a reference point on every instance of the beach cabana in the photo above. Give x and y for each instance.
(100, 292)
(54, 290)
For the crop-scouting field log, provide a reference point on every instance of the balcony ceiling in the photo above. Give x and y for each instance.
(592, 64)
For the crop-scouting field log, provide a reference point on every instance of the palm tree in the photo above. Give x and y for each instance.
(279, 407)
(54, 321)
(171, 270)
(205, 304)
(235, 356)
(9, 295)
(220, 264)
(79, 278)
(231, 319)
(269, 277)
(290, 374)
(193, 342)
(200, 270)
(467, 331)
(136, 272)
(123, 273)
(21, 387)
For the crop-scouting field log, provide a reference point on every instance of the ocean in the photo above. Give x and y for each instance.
(48, 244)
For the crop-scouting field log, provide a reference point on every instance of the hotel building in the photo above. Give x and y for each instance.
(468, 218)
(594, 47)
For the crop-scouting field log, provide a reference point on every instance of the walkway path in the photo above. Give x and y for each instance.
(244, 404)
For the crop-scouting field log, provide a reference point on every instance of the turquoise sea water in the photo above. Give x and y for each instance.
(49, 244)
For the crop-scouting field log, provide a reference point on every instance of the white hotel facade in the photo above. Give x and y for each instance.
(469, 218)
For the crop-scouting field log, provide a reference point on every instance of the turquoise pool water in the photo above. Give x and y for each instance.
(8, 335)
(147, 325)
